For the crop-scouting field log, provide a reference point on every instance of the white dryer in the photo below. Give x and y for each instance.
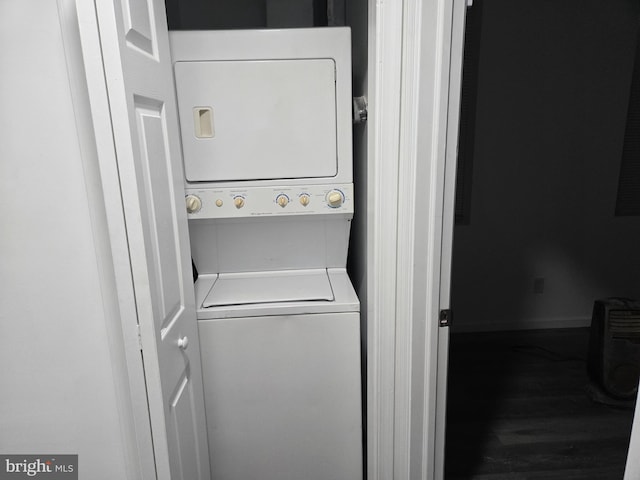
(266, 132)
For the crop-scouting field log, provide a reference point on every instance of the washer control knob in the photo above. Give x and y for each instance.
(219, 202)
(194, 204)
(304, 199)
(334, 198)
(282, 200)
(238, 202)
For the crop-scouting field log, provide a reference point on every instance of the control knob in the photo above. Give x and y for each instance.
(194, 204)
(334, 198)
(238, 202)
(282, 200)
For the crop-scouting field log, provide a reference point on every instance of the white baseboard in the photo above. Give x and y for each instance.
(523, 324)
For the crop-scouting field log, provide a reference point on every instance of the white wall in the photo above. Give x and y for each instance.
(553, 87)
(58, 381)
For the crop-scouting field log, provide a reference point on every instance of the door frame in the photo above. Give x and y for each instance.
(456, 61)
(414, 85)
(432, 56)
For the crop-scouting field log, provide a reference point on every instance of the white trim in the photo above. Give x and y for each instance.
(524, 324)
(405, 278)
(425, 108)
(451, 155)
(632, 468)
(382, 188)
(435, 45)
(456, 57)
(441, 403)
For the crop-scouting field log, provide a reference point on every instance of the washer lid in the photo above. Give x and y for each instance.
(269, 287)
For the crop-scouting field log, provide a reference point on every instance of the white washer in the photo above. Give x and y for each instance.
(282, 379)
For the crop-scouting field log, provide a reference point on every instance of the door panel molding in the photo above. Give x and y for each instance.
(183, 411)
(164, 257)
(139, 26)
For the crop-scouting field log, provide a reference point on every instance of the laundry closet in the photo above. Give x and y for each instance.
(265, 120)
(266, 133)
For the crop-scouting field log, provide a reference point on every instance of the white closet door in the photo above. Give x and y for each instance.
(135, 48)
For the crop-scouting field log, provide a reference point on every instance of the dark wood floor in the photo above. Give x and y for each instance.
(519, 408)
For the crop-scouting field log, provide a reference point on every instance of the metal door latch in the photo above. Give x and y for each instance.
(359, 109)
(445, 318)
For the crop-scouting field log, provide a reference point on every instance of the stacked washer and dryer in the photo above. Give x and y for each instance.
(266, 134)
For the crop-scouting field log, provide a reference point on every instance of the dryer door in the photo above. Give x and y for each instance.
(258, 120)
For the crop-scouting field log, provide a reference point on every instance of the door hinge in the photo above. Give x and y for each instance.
(360, 110)
(445, 318)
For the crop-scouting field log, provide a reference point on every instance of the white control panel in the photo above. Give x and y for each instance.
(269, 201)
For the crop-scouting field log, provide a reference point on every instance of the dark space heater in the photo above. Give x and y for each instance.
(614, 347)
